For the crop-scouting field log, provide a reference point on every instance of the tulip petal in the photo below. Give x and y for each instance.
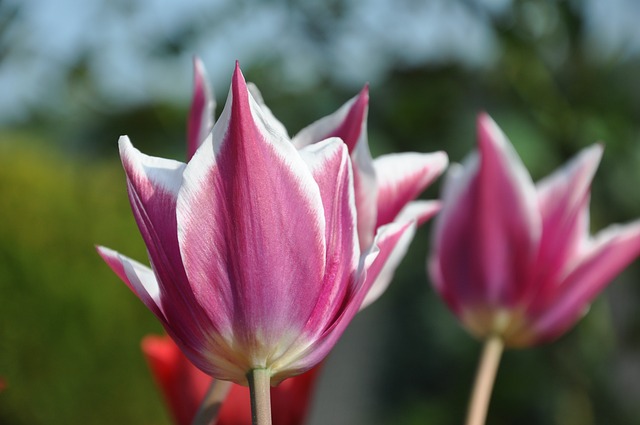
(139, 278)
(251, 229)
(371, 263)
(186, 325)
(402, 177)
(330, 165)
(609, 253)
(350, 124)
(420, 211)
(457, 181)
(203, 106)
(489, 222)
(563, 199)
(385, 275)
(153, 184)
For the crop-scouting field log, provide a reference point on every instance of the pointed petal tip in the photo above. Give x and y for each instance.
(488, 130)
(103, 251)
(484, 120)
(364, 93)
(595, 151)
(238, 78)
(199, 72)
(238, 84)
(125, 147)
(197, 63)
(590, 158)
(362, 102)
(123, 141)
(129, 154)
(440, 160)
(113, 260)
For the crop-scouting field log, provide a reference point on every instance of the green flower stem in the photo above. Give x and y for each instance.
(486, 376)
(208, 412)
(260, 389)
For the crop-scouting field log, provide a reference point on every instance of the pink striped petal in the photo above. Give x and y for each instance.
(153, 185)
(350, 124)
(177, 320)
(203, 106)
(371, 263)
(385, 274)
(402, 177)
(457, 181)
(563, 199)
(609, 253)
(489, 222)
(420, 211)
(139, 278)
(330, 165)
(251, 229)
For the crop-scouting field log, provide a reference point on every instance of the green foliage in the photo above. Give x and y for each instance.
(69, 330)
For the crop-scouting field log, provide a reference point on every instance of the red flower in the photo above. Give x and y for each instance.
(184, 386)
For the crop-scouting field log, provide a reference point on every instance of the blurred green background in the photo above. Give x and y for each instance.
(556, 76)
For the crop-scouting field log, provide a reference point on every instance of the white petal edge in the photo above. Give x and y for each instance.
(165, 173)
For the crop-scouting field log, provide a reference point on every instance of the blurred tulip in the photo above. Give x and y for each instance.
(255, 257)
(514, 260)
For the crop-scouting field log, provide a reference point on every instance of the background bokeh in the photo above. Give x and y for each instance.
(556, 76)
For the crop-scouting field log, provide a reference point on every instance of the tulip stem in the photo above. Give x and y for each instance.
(260, 389)
(208, 412)
(485, 377)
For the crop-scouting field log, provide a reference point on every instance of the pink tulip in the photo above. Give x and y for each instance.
(184, 386)
(515, 260)
(253, 245)
(412, 173)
